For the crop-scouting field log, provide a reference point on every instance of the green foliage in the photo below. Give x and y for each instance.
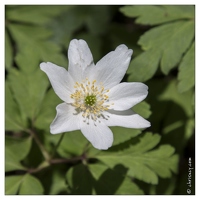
(186, 71)
(164, 44)
(143, 164)
(12, 184)
(33, 47)
(30, 186)
(153, 15)
(9, 52)
(13, 117)
(28, 90)
(34, 14)
(26, 184)
(142, 109)
(99, 179)
(73, 143)
(15, 151)
(46, 113)
(139, 161)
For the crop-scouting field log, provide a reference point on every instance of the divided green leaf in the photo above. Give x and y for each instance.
(80, 180)
(33, 47)
(15, 151)
(142, 162)
(153, 15)
(13, 117)
(26, 184)
(184, 100)
(164, 44)
(113, 181)
(36, 14)
(31, 186)
(143, 109)
(99, 179)
(12, 184)
(48, 110)
(73, 143)
(186, 73)
(28, 90)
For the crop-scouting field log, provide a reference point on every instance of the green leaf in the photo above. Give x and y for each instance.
(13, 119)
(122, 134)
(172, 112)
(99, 179)
(163, 44)
(73, 143)
(144, 66)
(142, 163)
(53, 179)
(31, 186)
(142, 109)
(184, 100)
(100, 14)
(165, 187)
(65, 25)
(153, 15)
(80, 180)
(32, 51)
(27, 59)
(121, 33)
(28, 90)
(186, 73)
(36, 14)
(48, 110)
(112, 181)
(58, 183)
(11, 162)
(189, 128)
(26, 184)
(8, 51)
(12, 184)
(168, 39)
(16, 150)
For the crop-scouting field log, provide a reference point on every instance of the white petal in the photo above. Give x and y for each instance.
(60, 79)
(126, 118)
(111, 68)
(80, 57)
(98, 134)
(126, 95)
(67, 119)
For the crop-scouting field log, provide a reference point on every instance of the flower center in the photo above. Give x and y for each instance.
(90, 99)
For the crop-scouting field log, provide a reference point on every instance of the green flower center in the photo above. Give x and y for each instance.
(90, 100)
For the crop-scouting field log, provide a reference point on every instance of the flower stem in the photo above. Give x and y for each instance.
(58, 144)
(40, 145)
(41, 167)
(70, 160)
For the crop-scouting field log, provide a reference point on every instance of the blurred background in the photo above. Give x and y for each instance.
(162, 38)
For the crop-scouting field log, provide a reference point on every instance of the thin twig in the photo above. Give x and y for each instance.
(62, 160)
(58, 144)
(45, 164)
(37, 140)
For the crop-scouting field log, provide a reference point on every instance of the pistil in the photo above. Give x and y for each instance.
(90, 98)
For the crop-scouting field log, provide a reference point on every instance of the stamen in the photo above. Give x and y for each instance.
(90, 98)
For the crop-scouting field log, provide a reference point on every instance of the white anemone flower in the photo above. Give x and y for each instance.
(93, 96)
